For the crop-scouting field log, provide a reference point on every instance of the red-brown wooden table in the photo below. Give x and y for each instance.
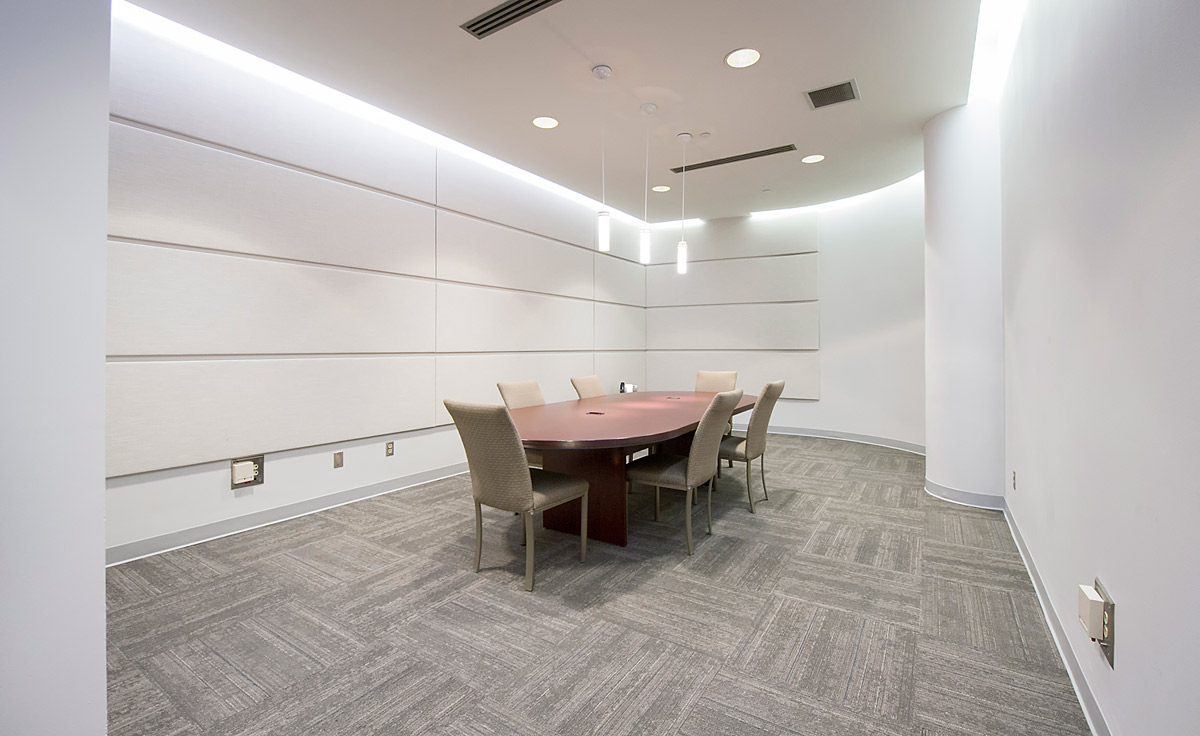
(590, 438)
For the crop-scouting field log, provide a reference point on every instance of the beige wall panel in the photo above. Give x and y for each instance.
(734, 326)
(774, 279)
(470, 187)
(670, 371)
(168, 301)
(478, 319)
(619, 327)
(474, 377)
(169, 413)
(623, 366)
(168, 190)
(480, 252)
(620, 281)
(741, 237)
(165, 85)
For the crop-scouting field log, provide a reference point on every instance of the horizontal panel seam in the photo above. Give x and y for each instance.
(732, 304)
(732, 350)
(212, 357)
(693, 261)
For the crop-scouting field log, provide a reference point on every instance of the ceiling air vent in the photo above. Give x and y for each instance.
(827, 96)
(739, 157)
(503, 16)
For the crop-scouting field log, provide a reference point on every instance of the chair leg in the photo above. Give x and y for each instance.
(657, 501)
(688, 520)
(710, 485)
(762, 469)
(529, 550)
(718, 468)
(523, 528)
(749, 494)
(478, 534)
(730, 463)
(583, 529)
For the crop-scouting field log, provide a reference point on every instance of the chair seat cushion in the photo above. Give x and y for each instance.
(551, 489)
(659, 470)
(733, 448)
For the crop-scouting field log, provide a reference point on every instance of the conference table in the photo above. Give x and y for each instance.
(589, 438)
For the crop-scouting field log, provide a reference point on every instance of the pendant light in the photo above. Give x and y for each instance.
(681, 249)
(603, 223)
(648, 108)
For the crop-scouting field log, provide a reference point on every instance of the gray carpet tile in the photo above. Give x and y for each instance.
(851, 603)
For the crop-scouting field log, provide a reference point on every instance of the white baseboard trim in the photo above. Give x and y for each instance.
(964, 498)
(862, 439)
(1091, 709)
(174, 540)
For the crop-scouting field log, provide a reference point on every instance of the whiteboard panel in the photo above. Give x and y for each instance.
(480, 252)
(619, 327)
(474, 377)
(734, 326)
(167, 190)
(168, 301)
(612, 368)
(470, 187)
(478, 319)
(620, 281)
(740, 237)
(676, 371)
(166, 85)
(164, 414)
(774, 279)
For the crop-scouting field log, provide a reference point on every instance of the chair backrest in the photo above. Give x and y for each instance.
(756, 433)
(499, 472)
(706, 445)
(716, 380)
(520, 394)
(588, 386)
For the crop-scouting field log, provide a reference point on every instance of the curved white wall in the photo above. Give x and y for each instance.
(964, 346)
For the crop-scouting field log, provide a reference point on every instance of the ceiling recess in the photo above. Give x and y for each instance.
(739, 157)
(833, 94)
(503, 16)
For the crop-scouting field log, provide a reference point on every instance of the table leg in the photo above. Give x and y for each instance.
(605, 472)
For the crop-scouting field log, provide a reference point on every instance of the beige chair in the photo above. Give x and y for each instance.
(699, 467)
(501, 479)
(588, 386)
(715, 381)
(518, 395)
(754, 444)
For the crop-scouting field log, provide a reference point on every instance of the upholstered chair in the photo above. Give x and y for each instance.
(518, 395)
(716, 380)
(688, 473)
(588, 386)
(754, 444)
(500, 477)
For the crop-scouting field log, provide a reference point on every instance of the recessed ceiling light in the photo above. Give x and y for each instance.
(545, 122)
(742, 58)
(816, 158)
(660, 188)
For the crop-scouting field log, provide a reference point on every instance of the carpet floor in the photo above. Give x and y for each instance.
(851, 603)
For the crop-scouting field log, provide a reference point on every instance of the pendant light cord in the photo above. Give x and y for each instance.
(646, 189)
(683, 191)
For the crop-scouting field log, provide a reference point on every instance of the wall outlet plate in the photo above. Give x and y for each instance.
(390, 449)
(337, 459)
(1110, 624)
(256, 471)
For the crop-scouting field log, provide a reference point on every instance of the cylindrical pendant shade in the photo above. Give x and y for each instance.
(602, 231)
(681, 257)
(644, 245)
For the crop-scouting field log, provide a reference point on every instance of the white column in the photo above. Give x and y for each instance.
(53, 202)
(964, 338)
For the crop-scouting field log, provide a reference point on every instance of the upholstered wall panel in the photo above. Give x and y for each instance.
(628, 366)
(477, 319)
(741, 237)
(170, 301)
(168, 86)
(167, 190)
(474, 377)
(184, 412)
(677, 370)
(770, 279)
(479, 252)
(620, 281)
(475, 189)
(734, 326)
(619, 327)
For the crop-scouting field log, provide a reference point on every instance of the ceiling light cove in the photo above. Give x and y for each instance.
(742, 58)
(545, 122)
(816, 158)
(660, 188)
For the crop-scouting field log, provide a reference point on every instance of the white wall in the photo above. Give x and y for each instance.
(1100, 184)
(829, 298)
(291, 278)
(52, 173)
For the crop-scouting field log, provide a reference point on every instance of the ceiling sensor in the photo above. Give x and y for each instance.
(649, 108)
(503, 16)
(739, 157)
(832, 95)
(602, 71)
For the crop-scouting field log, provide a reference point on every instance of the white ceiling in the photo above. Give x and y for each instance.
(911, 58)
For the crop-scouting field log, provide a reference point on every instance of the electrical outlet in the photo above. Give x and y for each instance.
(246, 471)
(337, 459)
(1109, 630)
(390, 449)
(1014, 480)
